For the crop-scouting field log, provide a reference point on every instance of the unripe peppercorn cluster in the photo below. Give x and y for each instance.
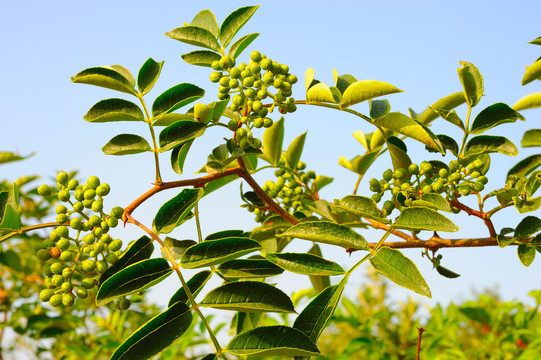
(408, 185)
(291, 190)
(248, 85)
(80, 248)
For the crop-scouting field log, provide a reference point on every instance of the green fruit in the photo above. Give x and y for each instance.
(244, 144)
(235, 73)
(82, 293)
(224, 81)
(76, 223)
(426, 189)
(103, 189)
(478, 186)
(233, 83)
(124, 304)
(79, 194)
(455, 177)
(57, 280)
(61, 209)
(88, 283)
(68, 300)
(67, 256)
(94, 220)
(262, 94)
(278, 83)
(482, 179)
(215, 65)
(454, 165)
(67, 273)
(72, 184)
(376, 198)
(117, 212)
(56, 268)
(45, 190)
(88, 203)
(400, 174)
(43, 254)
(62, 232)
(55, 300)
(292, 79)
(93, 182)
(112, 222)
(215, 76)
(64, 195)
(66, 286)
(88, 265)
(240, 133)
(97, 206)
(102, 266)
(374, 183)
(437, 187)
(115, 245)
(388, 175)
(62, 178)
(89, 194)
(63, 244)
(256, 56)
(62, 218)
(47, 270)
(254, 68)
(267, 122)
(266, 64)
(227, 62)
(426, 167)
(45, 295)
(443, 173)
(111, 258)
(248, 82)
(258, 123)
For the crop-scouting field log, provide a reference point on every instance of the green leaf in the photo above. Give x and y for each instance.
(494, 115)
(201, 57)
(195, 284)
(234, 22)
(420, 218)
(484, 144)
(342, 82)
(126, 144)
(306, 264)
(178, 156)
(526, 254)
(536, 41)
(533, 72)
(114, 110)
(524, 206)
(133, 278)
(321, 92)
(528, 226)
(248, 296)
(238, 47)
(444, 104)
(6, 157)
(531, 138)
(9, 218)
(526, 166)
(139, 250)
(225, 234)
(174, 212)
(360, 163)
(10, 259)
(327, 232)
(171, 118)
(472, 82)
(176, 247)
(249, 268)
(309, 79)
(148, 75)
(216, 184)
(322, 180)
(397, 150)
(448, 143)
(175, 98)
(156, 334)
(275, 340)
(244, 321)
(435, 201)
(294, 151)
(315, 316)
(273, 138)
(195, 35)
(205, 19)
(399, 269)
(319, 282)
(366, 90)
(213, 252)
(113, 77)
(446, 272)
(529, 101)
(363, 207)
(179, 133)
(533, 183)
(405, 125)
(449, 115)
(379, 108)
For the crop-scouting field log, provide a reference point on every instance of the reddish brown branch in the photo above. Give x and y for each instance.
(435, 243)
(421, 331)
(484, 216)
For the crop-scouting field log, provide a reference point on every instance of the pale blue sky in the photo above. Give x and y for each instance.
(414, 45)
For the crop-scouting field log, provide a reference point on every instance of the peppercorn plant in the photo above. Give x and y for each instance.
(253, 100)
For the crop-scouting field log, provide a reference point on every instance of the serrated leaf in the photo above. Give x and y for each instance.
(195, 284)
(399, 269)
(195, 35)
(321, 92)
(447, 103)
(213, 252)
(175, 98)
(238, 47)
(139, 250)
(234, 22)
(484, 144)
(306, 264)
(362, 206)
(248, 296)
(530, 101)
(528, 226)
(379, 108)
(273, 138)
(446, 272)
(275, 340)
(435, 201)
(526, 254)
(531, 138)
(148, 75)
(294, 151)
(533, 72)
(327, 232)
(315, 316)
(494, 115)
(126, 144)
(366, 89)
(405, 125)
(113, 77)
(249, 268)
(201, 57)
(174, 212)
(156, 334)
(178, 156)
(472, 82)
(419, 218)
(179, 133)
(133, 278)
(114, 110)
(205, 19)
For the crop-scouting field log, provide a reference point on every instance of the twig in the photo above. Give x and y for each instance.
(421, 331)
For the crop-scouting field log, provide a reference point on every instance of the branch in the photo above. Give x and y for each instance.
(484, 216)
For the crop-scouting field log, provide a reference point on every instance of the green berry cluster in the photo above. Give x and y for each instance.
(292, 190)
(249, 85)
(80, 248)
(407, 185)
